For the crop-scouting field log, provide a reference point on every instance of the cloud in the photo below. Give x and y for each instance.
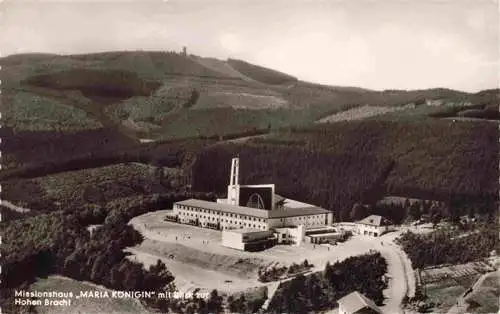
(438, 44)
(379, 45)
(230, 42)
(477, 20)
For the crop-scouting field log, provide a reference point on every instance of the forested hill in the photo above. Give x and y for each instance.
(160, 77)
(147, 64)
(160, 65)
(155, 90)
(341, 164)
(134, 95)
(96, 85)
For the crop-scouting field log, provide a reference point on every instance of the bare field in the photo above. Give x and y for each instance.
(360, 113)
(240, 100)
(454, 272)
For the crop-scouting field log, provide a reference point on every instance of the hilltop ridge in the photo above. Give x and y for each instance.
(153, 93)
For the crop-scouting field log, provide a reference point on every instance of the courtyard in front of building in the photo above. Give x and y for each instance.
(197, 259)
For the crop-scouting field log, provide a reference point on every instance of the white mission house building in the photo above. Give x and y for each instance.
(253, 217)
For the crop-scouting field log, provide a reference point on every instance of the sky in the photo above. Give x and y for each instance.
(382, 44)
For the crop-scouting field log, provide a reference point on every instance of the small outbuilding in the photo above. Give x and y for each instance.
(357, 303)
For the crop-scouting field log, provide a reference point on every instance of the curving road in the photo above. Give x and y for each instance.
(399, 270)
(397, 275)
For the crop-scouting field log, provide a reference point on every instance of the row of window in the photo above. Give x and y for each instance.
(227, 221)
(220, 213)
(241, 227)
(192, 212)
(231, 222)
(306, 218)
(314, 223)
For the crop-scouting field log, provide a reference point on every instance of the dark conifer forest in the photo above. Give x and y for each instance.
(321, 178)
(338, 165)
(59, 243)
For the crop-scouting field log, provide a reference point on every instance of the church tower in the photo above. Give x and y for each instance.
(233, 189)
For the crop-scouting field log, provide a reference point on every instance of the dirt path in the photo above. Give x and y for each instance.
(399, 270)
(13, 207)
(397, 285)
(246, 138)
(404, 261)
(410, 274)
(271, 290)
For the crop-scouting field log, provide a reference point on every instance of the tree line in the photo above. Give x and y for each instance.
(481, 111)
(28, 147)
(444, 247)
(247, 302)
(95, 84)
(41, 153)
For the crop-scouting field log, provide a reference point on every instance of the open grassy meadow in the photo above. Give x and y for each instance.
(444, 285)
(485, 298)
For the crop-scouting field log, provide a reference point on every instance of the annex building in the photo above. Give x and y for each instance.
(253, 216)
(372, 225)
